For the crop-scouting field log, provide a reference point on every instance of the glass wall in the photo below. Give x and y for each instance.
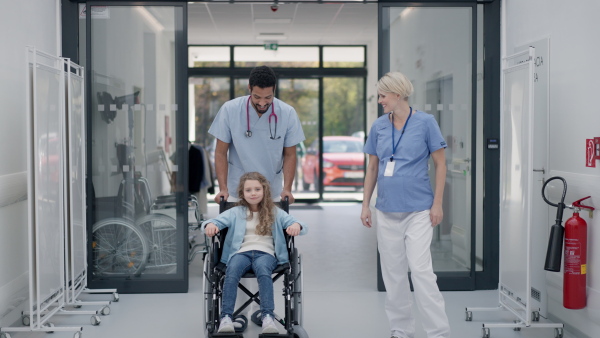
(343, 137)
(303, 95)
(138, 232)
(324, 84)
(207, 95)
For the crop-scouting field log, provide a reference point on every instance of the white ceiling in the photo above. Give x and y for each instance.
(300, 23)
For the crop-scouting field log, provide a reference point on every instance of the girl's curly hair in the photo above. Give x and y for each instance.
(266, 216)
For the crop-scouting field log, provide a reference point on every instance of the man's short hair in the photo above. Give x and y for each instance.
(263, 77)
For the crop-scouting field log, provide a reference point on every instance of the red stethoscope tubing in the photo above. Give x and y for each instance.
(248, 132)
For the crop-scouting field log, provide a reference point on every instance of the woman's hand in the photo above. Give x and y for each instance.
(211, 230)
(436, 214)
(365, 216)
(294, 229)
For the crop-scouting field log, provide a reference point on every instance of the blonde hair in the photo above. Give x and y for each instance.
(395, 83)
(266, 216)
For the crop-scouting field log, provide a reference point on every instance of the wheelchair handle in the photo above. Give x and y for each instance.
(285, 204)
(222, 204)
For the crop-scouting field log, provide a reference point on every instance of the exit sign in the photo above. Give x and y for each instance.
(271, 46)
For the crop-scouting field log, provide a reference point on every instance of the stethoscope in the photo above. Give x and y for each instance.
(249, 133)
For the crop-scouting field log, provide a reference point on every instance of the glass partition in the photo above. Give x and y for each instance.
(138, 228)
(434, 47)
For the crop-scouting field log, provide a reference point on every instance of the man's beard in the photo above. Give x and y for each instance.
(262, 111)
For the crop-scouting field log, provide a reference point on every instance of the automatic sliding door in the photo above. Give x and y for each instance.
(433, 47)
(137, 146)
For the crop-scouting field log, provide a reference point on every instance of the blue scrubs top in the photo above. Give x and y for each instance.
(409, 188)
(259, 152)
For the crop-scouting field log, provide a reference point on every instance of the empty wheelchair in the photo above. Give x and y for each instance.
(214, 277)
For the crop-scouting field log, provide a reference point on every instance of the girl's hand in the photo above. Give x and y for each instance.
(211, 230)
(293, 230)
(365, 216)
(436, 214)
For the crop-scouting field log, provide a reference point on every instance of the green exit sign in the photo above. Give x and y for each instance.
(271, 46)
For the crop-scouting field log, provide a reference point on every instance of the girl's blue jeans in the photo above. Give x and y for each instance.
(262, 264)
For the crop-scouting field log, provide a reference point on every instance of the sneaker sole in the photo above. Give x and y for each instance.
(270, 330)
(228, 329)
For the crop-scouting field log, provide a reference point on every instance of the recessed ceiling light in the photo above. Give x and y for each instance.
(273, 21)
(271, 36)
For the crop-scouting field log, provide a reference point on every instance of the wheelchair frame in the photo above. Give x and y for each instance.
(124, 247)
(214, 277)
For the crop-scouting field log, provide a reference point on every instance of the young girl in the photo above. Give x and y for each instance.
(256, 242)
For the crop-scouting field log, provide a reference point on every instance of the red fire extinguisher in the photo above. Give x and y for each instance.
(575, 268)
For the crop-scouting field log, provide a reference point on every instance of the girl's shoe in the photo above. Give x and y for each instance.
(226, 325)
(268, 325)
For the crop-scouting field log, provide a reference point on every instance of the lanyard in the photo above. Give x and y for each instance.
(394, 147)
(249, 133)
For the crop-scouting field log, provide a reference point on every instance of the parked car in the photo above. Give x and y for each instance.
(343, 162)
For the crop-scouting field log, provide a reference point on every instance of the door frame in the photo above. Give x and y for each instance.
(70, 49)
(487, 279)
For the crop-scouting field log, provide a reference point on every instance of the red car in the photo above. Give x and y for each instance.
(343, 162)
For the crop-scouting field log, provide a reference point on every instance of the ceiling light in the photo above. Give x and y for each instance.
(271, 36)
(273, 21)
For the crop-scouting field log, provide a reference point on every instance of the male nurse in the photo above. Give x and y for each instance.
(257, 132)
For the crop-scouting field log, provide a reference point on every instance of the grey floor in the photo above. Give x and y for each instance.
(340, 295)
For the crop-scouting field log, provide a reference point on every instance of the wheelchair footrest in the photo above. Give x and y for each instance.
(226, 335)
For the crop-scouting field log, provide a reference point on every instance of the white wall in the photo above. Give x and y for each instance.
(22, 23)
(572, 28)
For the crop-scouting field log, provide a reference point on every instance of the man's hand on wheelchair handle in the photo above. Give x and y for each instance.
(211, 230)
(294, 229)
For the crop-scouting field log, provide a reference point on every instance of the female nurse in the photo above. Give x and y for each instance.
(399, 145)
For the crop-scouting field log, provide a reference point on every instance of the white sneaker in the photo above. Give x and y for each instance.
(226, 325)
(268, 325)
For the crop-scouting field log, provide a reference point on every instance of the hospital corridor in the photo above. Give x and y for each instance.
(129, 130)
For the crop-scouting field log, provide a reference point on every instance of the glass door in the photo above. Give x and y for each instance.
(303, 95)
(343, 138)
(435, 48)
(138, 155)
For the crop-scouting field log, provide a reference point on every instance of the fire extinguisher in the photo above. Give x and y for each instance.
(575, 269)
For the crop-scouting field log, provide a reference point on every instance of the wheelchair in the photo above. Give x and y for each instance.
(130, 245)
(214, 277)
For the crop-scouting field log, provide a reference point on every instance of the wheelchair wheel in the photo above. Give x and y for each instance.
(297, 295)
(119, 248)
(207, 288)
(161, 232)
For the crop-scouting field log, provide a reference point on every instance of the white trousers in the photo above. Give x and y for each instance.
(403, 240)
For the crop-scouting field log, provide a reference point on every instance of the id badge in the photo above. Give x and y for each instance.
(389, 168)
